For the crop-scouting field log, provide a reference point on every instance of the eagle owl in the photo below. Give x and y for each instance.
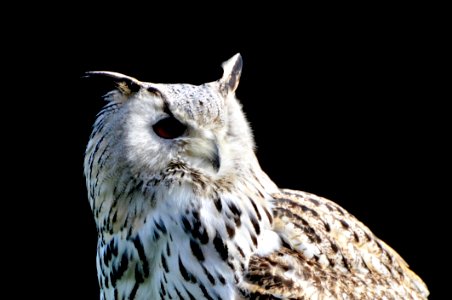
(184, 211)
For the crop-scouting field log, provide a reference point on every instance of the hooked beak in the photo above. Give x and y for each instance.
(215, 160)
(204, 153)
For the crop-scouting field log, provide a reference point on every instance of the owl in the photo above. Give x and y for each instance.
(184, 211)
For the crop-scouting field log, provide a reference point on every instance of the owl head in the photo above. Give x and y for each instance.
(151, 126)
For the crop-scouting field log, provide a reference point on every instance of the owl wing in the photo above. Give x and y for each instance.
(326, 253)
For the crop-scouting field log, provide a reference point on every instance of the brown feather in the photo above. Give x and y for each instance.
(328, 254)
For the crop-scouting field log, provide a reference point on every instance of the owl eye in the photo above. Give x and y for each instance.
(169, 128)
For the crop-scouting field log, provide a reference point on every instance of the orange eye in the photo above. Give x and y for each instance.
(169, 128)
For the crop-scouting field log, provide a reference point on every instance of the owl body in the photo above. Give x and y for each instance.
(184, 211)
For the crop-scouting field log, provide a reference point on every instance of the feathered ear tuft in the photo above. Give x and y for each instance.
(126, 85)
(232, 69)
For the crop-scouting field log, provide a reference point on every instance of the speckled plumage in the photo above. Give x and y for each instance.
(184, 211)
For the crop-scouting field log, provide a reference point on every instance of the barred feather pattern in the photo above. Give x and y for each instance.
(326, 253)
(182, 219)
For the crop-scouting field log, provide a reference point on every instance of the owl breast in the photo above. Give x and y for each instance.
(194, 240)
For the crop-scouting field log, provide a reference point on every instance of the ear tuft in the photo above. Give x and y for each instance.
(232, 69)
(126, 85)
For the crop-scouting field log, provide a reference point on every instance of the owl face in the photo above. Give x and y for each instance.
(180, 123)
(159, 125)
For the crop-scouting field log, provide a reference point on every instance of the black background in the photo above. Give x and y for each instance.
(343, 104)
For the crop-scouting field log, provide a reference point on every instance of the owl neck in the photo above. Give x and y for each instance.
(115, 190)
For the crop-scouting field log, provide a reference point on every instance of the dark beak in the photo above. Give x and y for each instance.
(215, 160)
